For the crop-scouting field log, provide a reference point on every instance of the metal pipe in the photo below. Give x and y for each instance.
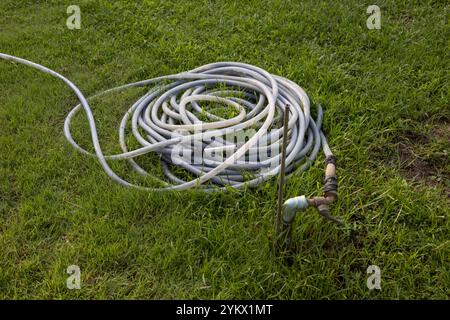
(283, 165)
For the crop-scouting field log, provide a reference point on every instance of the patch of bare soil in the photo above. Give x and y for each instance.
(424, 158)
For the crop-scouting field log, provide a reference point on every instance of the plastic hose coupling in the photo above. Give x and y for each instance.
(291, 206)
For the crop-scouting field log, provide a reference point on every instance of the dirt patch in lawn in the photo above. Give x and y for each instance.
(424, 157)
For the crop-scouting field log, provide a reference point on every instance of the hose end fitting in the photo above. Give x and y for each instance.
(291, 206)
(330, 191)
(330, 186)
(330, 159)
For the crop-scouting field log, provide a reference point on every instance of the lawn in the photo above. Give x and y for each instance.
(385, 95)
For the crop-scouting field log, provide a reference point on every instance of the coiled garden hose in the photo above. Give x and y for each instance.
(170, 120)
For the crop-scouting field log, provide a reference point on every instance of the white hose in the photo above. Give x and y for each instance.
(166, 120)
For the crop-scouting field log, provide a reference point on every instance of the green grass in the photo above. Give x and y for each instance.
(386, 99)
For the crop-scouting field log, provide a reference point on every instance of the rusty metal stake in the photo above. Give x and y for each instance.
(282, 169)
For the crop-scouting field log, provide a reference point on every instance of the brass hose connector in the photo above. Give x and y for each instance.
(330, 191)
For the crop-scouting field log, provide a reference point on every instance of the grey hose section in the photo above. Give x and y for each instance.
(165, 120)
